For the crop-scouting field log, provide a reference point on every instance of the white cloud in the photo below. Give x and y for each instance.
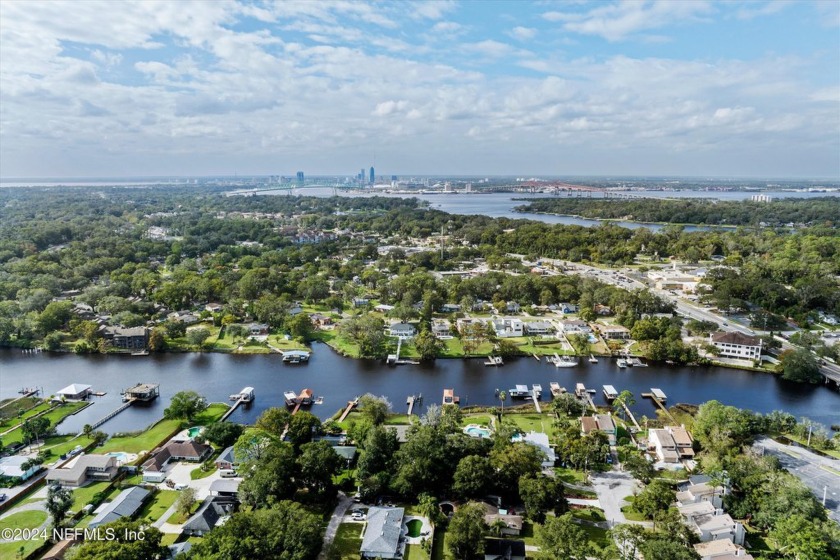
(447, 27)
(389, 107)
(523, 33)
(489, 48)
(760, 9)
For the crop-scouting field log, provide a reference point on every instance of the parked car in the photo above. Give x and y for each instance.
(3, 497)
(180, 487)
(358, 517)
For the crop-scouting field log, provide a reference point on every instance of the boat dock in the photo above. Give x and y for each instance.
(630, 415)
(556, 389)
(304, 399)
(295, 357)
(536, 392)
(25, 392)
(246, 395)
(125, 405)
(582, 392)
(610, 393)
(144, 392)
(636, 362)
(449, 397)
(593, 359)
(537, 357)
(412, 400)
(659, 397)
(350, 406)
(494, 361)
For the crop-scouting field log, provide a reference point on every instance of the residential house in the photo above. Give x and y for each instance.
(83, 311)
(721, 549)
(603, 310)
(737, 345)
(701, 492)
(683, 440)
(186, 317)
(512, 307)
(173, 451)
(614, 332)
(295, 309)
(588, 425)
(606, 425)
(450, 308)
(513, 523)
(13, 467)
(402, 330)
(213, 307)
(504, 549)
(74, 392)
(320, 320)
(383, 532)
(134, 338)
(225, 487)
(663, 444)
(361, 302)
(226, 460)
(383, 308)
(126, 504)
(257, 329)
(540, 441)
(567, 308)
(441, 328)
(506, 328)
(209, 514)
(711, 527)
(574, 326)
(83, 469)
(539, 327)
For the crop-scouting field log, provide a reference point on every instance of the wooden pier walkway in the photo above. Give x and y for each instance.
(350, 406)
(23, 396)
(658, 403)
(235, 405)
(113, 413)
(536, 399)
(591, 402)
(630, 414)
(412, 400)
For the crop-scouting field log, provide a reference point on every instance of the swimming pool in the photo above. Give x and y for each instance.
(194, 431)
(475, 430)
(120, 456)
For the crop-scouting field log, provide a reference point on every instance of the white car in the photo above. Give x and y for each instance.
(181, 487)
(358, 517)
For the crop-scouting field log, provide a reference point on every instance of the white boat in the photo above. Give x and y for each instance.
(593, 359)
(494, 361)
(580, 390)
(290, 397)
(519, 392)
(622, 363)
(556, 389)
(610, 393)
(566, 361)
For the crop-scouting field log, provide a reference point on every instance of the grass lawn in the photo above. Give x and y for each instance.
(31, 519)
(198, 472)
(169, 538)
(439, 550)
(279, 341)
(530, 422)
(589, 514)
(154, 436)
(11, 418)
(9, 413)
(179, 518)
(348, 540)
(154, 508)
(55, 416)
(631, 514)
(415, 552)
(83, 495)
(596, 535)
(480, 419)
(398, 419)
(338, 343)
(571, 476)
(19, 549)
(60, 445)
(801, 441)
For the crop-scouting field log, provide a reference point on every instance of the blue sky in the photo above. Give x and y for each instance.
(646, 87)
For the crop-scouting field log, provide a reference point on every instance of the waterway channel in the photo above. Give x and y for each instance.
(339, 379)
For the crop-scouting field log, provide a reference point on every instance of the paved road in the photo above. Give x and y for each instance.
(344, 503)
(612, 488)
(811, 469)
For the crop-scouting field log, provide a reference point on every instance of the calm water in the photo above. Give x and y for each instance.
(339, 379)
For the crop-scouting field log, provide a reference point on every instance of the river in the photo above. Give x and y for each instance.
(339, 379)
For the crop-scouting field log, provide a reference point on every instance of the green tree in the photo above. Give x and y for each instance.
(465, 536)
(54, 316)
(801, 538)
(175, 329)
(59, 502)
(126, 544)
(663, 548)
(274, 420)
(625, 398)
(185, 502)
(502, 396)
(286, 531)
(626, 541)
(270, 478)
(223, 434)
(567, 404)
(198, 336)
(185, 405)
(800, 365)
(318, 463)
(374, 408)
(656, 496)
(378, 452)
(300, 326)
(53, 341)
(33, 428)
(157, 340)
(473, 476)
(541, 494)
(428, 346)
(513, 462)
(561, 537)
(302, 427)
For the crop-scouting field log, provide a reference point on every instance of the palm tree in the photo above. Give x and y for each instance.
(625, 398)
(502, 398)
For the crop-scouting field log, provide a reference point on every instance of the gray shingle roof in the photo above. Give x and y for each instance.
(126, 504)
(382, 534)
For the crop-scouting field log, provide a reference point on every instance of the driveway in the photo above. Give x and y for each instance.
(612, 488)
(179, 473)
(344, 502)
(820, 474)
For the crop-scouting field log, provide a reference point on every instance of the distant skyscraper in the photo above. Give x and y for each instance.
(372, 176)
(362, 175)
(393, 178)
(300, 176)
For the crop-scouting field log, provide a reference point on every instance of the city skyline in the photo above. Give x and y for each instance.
(649, 88)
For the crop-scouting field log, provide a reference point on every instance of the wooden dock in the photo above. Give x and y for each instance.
(113, 413)
(536, 399)
(350, 406)
(659, 403)
(630, 415)
(537, 358)
(240, 400)
(24, 394)
(412, 400)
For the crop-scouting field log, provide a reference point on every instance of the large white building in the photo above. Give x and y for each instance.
(737, 345)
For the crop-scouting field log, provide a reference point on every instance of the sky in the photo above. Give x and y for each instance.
(648, 87)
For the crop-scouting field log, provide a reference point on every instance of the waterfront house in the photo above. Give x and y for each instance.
(737, 345)
(574, 326)
(683, 440)
(74, 392)
(441, 327)
(504, 549)
(320, 320)
(614, 332)
(383, 532)
(12, 467)
(663, 444)
(606, 425)
(506, 328)
(257, 329)
(540, 441)
(85, 468)
(126, 504)
(402, 330)
(209, 514)
(153, 468)
(184, 316)
(134, 338)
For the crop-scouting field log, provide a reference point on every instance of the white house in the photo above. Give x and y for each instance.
(574, 326)
(441, 327)
(540, 441)
(721, 549)
(737, 345)
(506, 328)
(614, 332)
(13, 467)
(662, 442)
(402, 330)
(539, 327)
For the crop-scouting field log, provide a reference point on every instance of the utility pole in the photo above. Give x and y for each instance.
(809, 434)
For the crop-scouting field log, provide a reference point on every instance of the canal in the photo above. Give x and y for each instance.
(338, 379)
